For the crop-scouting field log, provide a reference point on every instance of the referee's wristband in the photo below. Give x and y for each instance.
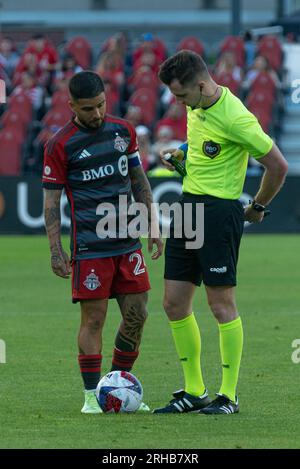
(184, 148)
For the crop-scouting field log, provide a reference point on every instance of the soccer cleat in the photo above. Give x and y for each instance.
(91, 405)
(143, 408)
(184, 402)
(221, 405)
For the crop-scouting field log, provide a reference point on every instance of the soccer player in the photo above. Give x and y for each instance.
(221, 133)
(95, 158)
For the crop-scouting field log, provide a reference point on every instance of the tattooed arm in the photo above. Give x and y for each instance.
(59, 259)
(142, 193)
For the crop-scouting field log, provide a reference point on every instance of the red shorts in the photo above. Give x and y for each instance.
(107, 277)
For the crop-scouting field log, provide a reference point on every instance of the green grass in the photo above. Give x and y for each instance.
(40, 385)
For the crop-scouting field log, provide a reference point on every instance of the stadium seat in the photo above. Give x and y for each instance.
(191, 43)
(260, 101)
(15, 119)
(10, 161)
(44, 135)
(146, 100)
(22, 104)
(235, 45)
(144, 79)
(81, 50)
(263, 118)
(60, 99)
(112, 99)
(270, 47)
(160, 46)
(57, 118)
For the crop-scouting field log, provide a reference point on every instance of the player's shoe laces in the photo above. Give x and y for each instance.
(184, 402)
(91, 405)
(221, 405)
(143, 408)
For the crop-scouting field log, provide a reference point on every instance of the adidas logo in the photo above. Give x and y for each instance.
(84, 154)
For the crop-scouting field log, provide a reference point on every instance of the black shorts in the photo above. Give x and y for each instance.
(215, 262)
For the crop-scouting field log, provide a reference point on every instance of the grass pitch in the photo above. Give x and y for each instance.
(40, 385)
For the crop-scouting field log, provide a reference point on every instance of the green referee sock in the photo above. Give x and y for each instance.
(187, 340)
(231, 346)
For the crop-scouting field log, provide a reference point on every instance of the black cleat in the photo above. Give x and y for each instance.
(221, 405)
(184, 402)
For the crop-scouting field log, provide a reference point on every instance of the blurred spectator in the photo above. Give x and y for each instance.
(67, 68)
(44, 52)
(116, 43)
(40, 58)
(227, 64)
(155, 54)
(250, 49)
(147, 157)
(112, 98)
(164, 140)
(8, 55)
(29, 63)
(119, 44)
(147, 61)
(29, 87)
(134, 115)
(110, 68)
(260, 64)
(175, 118)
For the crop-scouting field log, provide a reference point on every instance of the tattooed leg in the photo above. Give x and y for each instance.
(128, 338)
(134, 313)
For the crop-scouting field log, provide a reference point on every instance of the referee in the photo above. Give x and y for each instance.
(221, 133)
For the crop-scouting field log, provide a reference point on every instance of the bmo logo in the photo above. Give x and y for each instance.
(101, 172)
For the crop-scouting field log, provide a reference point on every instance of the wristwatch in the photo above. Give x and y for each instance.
(257, 207)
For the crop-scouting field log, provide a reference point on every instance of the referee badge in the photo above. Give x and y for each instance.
(211, 149)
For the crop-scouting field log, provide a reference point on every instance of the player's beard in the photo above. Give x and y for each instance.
(95, 124)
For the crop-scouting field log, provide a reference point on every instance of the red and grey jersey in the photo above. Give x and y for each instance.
(92, 166)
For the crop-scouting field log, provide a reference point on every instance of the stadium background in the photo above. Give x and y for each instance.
(40, 49)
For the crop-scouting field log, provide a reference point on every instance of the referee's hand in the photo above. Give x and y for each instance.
(178, 154)
(253, 216)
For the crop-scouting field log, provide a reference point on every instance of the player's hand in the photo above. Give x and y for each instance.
(60, 264)
(253, 216)
(178, 154)
(160, 247)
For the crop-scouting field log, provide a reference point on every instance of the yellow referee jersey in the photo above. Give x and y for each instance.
(220, 139)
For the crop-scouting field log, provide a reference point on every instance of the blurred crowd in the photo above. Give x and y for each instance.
(37, 75)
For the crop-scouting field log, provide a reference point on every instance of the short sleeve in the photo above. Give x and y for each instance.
(55, 166)
(133, 148)
(133, 145)
(247, 132)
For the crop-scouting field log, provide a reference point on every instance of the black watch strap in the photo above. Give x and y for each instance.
(257, 207)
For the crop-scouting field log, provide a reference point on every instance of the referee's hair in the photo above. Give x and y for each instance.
(184, 66)
(85, 85)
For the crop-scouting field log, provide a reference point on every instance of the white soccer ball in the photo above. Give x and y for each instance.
(119, 391)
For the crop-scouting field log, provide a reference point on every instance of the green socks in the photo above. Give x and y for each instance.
(231, 345)
(187, 340)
